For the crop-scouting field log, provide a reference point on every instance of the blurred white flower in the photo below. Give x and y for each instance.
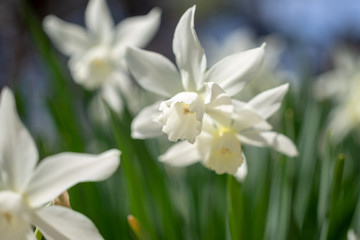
(191, 90)
(97, 54)
(342, 87)
(242, 39)
(219, 146)
(25, 188)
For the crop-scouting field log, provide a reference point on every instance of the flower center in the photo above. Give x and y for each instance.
(224, 155)
(186, 109)
(225, 151)
(14, 215)
(181, 116)
(100, 65)
(93, 68)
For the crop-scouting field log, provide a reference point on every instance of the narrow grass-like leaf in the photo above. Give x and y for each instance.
(235, 208)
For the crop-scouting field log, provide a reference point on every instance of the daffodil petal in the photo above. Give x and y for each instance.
(58, 173)
(57, 222)
(69, 38)
(218, 105)
(110, 92)
(144, 124)
(99, 21)
(139, 30)
(329, 86)
(268, 102)
(181, 154)
(18, 152)
(154, 72)
(274, 140)
(242, 171)
(340, 124)
(233, 72)
(245, 118)
(189, 53)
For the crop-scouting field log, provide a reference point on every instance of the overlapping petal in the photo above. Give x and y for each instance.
(18, 152)
(69, 38)
(181, 154)
(218, 104)
(246, 118)
(190, 56)
(57, 222)
(110, 94)
(271, 139)
(154, 72)
(232, 73)
(144, 124)
(268, 102)
(137, 31)
(71, 168)
(242, 171)
(99, 21)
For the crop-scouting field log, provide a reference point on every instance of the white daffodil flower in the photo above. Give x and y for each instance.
(25, 187)
(97, 54)
(190, 90)
(342, 87)
(219, 146)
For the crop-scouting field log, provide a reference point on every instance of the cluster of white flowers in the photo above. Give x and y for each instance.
(197, 109)
(198, 106)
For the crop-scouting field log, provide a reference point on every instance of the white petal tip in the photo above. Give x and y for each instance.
(295, 153)
(113, 152)
(50, 22)
(131, 50)
(241, 172)
(6, 93)
(6, 90)
(136, 135)
(291, 151)
(156, 11)
(284, 88)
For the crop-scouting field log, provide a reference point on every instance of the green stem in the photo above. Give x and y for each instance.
(235, 204)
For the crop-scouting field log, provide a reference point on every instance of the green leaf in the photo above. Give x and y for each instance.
(235, 208)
